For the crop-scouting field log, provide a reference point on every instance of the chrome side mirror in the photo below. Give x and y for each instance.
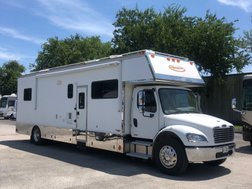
(233, 104)
(141, 101)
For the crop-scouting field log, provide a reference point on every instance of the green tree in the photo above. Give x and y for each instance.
(209, 41)
(9, 73)
(246, 41)
(214, 47)
(56, 52)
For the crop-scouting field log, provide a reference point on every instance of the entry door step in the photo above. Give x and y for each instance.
(138, 155)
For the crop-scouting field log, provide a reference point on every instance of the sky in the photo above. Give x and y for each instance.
(26, 24)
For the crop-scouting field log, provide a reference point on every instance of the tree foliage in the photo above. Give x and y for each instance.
(209, 41)
(9, 73)
(56, 52)
(246, 41)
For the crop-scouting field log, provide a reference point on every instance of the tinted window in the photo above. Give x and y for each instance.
(247, 95)
(11, 103)
(3, 102)
(150, 102)
(27, 94)
(70, 91)
(81, 100)
(105, 89)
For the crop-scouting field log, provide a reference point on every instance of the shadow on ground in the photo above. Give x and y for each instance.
(244, 149)
(112, 163)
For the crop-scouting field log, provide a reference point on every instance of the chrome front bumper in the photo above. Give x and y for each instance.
(200, 154)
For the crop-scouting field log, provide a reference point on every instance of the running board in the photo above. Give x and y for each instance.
(140, 149)
(138, 155)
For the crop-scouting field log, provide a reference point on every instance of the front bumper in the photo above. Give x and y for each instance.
(200, 154)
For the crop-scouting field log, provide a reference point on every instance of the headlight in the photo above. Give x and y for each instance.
(191, 137)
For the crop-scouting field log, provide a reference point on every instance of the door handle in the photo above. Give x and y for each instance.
(78, 113)
(135, 122)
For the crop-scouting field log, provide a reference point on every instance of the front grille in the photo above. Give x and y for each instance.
(223, 134)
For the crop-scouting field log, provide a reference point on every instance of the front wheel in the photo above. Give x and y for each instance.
(215, 162)
(36, 136)
(170, 157)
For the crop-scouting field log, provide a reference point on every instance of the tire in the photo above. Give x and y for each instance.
(36, 136)
(215, 162)
(169, 155)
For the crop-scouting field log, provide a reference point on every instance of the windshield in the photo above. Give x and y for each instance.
(247, 95)
(178, 101)
(3, 102)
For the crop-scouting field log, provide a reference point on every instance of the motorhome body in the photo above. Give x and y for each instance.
(135, 103)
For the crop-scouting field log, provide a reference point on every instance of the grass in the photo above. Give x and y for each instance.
(238, 128)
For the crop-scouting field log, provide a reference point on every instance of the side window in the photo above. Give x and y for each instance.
(27, 94)
(105, 89)
(81, 100)
(149, 100)
(11, 103)
(70, 91)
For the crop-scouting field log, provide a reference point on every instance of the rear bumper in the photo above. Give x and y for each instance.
(200, 154)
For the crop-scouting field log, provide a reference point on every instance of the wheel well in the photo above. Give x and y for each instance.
(35, 126)
(166, 134)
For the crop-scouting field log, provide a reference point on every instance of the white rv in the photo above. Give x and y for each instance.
(137, 104)
(246, 112)
(8, 106)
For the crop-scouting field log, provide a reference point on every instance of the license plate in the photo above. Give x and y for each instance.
(225, 149)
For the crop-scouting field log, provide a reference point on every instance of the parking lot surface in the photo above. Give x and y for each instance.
(59, 165)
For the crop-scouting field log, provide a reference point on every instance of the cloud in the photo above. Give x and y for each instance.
(5, 55)
(246, 5)
(15, 34)
(11, 53)
(75, 15)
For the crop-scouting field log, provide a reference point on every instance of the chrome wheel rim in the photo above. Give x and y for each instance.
(168, 156)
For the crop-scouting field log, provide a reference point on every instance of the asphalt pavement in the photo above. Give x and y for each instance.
(60, 165)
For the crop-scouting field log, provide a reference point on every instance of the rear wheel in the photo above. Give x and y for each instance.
(36, 136)
(170, 157)
(215, 162)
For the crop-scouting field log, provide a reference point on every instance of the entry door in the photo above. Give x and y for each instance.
(81, 109)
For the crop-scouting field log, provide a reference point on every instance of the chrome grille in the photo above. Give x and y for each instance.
(223, 134)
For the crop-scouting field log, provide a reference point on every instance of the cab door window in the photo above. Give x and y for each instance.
(149, 100)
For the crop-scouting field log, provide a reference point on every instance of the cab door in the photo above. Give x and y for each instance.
(145, 114)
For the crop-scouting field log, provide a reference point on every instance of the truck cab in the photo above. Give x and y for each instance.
(170, 118)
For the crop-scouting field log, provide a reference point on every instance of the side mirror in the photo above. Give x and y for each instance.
(141, 101)
(198, 100)
(233, 104)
